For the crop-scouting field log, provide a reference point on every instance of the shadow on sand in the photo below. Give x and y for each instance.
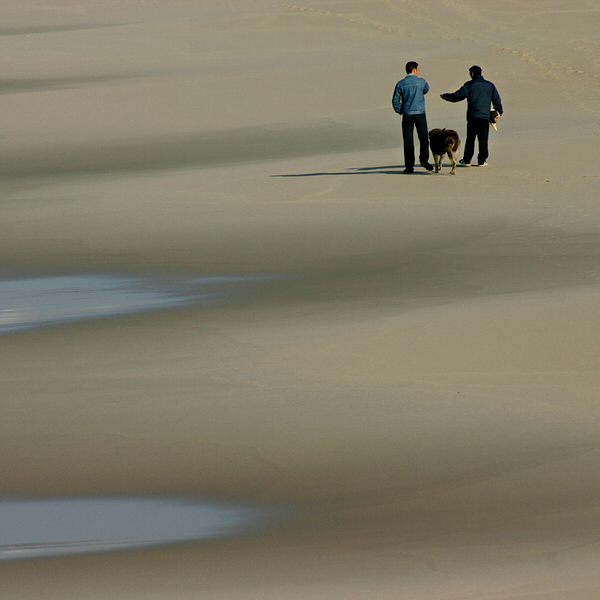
(385, 170)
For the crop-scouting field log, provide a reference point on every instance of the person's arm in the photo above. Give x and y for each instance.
(496, 102)
(426, 88)
(456, 96)
(397, 100)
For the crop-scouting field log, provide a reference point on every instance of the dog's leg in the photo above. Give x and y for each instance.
(437, 159)
(452, 156)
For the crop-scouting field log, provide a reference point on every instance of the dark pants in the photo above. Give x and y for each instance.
(480, 129)
(409, 123)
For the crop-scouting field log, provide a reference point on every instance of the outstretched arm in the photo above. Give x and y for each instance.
(456, 96)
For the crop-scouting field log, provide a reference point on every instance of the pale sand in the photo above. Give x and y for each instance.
(422, 394)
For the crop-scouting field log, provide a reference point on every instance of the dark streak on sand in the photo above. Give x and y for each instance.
(19, 86)
(212, 148)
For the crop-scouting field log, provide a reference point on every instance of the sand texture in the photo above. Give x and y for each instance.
(406, 368)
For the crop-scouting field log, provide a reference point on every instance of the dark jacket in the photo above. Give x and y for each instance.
(480, 94)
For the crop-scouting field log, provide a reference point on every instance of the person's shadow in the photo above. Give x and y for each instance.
(386, 170)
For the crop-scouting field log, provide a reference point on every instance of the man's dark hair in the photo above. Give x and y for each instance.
(411, 66)
(475, 70)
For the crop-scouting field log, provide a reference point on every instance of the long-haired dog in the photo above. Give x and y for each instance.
(444, 141)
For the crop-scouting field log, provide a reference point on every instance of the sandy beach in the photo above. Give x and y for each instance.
(216, 284)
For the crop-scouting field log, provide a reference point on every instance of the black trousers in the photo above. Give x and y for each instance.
(477, 129)
(409, 123)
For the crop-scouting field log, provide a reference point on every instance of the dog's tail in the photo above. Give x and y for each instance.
(452, 143)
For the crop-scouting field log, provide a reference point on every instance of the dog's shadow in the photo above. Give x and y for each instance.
(385, 170)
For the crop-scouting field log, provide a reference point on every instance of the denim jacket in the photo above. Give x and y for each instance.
(409, 95)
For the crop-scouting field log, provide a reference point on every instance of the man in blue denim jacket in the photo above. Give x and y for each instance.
(409, 101)
(481, 95)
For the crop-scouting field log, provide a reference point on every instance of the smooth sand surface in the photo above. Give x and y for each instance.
(418, 385)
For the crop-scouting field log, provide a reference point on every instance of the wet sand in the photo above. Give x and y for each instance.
(407, 373)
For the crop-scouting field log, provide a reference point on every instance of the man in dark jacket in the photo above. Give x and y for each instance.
(409, 101)
(481, 95)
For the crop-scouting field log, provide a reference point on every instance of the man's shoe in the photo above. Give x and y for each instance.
(483, 164)
(427, 166)
(463, 163)
(408, 171)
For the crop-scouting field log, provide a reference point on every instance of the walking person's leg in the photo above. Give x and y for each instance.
(483, 131)
(423, 134)
(470, 142)
(409, 144)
